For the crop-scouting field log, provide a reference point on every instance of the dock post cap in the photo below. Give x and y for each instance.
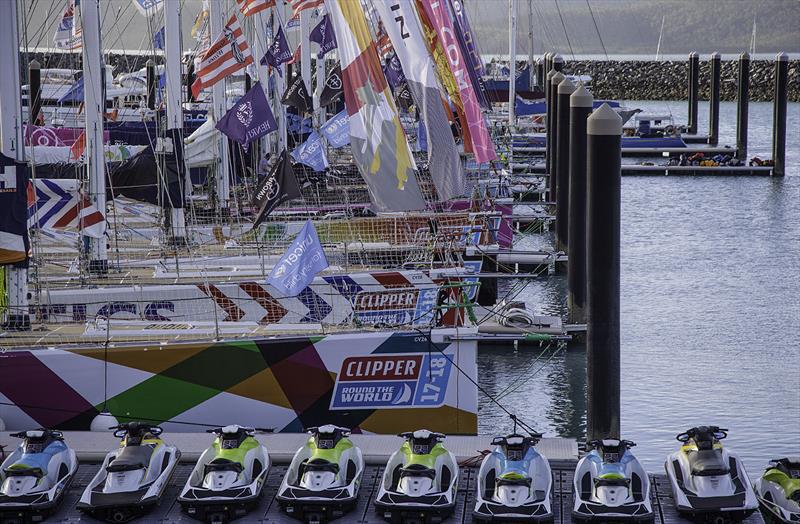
(149, 62)
(581, 97)
(557, 58)
(34, 64)
(551, 74)
(782, 57)
(716, 56)
(566, 87)
(694, 54)
(604, 121)
(744, 56)
(557, 77)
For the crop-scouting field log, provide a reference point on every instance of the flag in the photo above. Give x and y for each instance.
(250, 118)
(14, 241)
(59, 204)
(148, 7)
(302, 5)
(298, 125)
(378, 142)
(323, 35)
(74, 94)
(444, 163)
(278, 52)
(466, 29)
(77, 148)
(312, 152)
(464, 37)
(333, 87)
(251, 7)
(293, 23)
(482, 145)
(296, 95)
(297, 268)
(296, 55)
(158, 39)
(200, 29)
(276, 188)
(228, 54)
(394, 71)
(336, 130)
(68, 33)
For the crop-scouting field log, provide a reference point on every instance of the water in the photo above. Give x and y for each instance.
(710, 313)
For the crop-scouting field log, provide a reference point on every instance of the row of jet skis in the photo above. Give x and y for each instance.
(514, 483)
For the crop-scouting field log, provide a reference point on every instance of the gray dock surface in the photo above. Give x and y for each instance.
(268, 510)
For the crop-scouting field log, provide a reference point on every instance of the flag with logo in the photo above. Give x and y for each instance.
(200, 29)
(228, 54)
(250, 118)
(332, 88)
(323, 35)
(293, 23)
(379, 145)
(13, 228)
(297, 96)
(251, 7)
(69, 36)
(394, 71)
(312, 152)
(336, 130)
(401, 24)
(297, 268)
(278, 52)
(148, 7)
(59, 204)
(438, 14)
(276, 188)
(158, 39)
(302, 5)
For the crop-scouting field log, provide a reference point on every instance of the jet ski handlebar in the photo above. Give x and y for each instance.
(532, 439)
(38, 433)
(702, 431)
(600, 443)
(136, 428)
(422, 434)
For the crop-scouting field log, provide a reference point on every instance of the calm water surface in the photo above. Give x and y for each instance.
(710, 313)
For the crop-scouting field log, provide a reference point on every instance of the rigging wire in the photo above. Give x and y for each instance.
(597, 29)
(566, 33)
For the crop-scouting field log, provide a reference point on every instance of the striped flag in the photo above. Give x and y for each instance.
(59, 204)
(302, 5)
(228, 54)
(251, 7)
(378, 142)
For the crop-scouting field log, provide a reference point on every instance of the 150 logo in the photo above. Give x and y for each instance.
(392, 381)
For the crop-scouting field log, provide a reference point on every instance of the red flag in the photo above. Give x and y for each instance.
(295, 55)
(76, 149)
(302, 5)
(228, 54)
(251, 7)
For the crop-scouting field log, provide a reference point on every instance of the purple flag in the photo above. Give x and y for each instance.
(323, 35)
(394, 71)
(250, 118)
(468, 50)
(278, 52)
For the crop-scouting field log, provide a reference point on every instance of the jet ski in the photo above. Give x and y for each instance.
(35, 476)
(228, 478)
(709, 482)
(322, 481)
(610, 484)
(514, 482)
(133, 477)
(420, 481)
(778, 490)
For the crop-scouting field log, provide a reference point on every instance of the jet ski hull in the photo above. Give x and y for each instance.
(316, 506)
(491, 512)
(398, 508)
(30, 508)
(219, 511)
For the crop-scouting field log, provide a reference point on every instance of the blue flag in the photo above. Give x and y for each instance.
(323, 35)
(300, 264)
(250, 118)
(422, 137)
(278, 52)
(311, 152)
(158, 39)
(298, 125)
(75, 93)
(337, 130)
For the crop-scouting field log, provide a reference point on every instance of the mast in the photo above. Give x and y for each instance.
(319, 112)
(531, 56)
(261, 44)
(95, 104)
(660, 35)
(172, 60)
(512, 60)
(280, 86)
(753, 38)
(305, 47)
(220, 107)
(12, 145)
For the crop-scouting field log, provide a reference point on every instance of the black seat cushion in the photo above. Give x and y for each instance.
(319, 464)
(707, 463)
(418, 470)
(221, 464)
(130, 458)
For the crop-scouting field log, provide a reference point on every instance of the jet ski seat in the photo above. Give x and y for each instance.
(513, 479)
(131, 458)
(417, 470)
(707, 463)
(222, 464)
(24, 470)
(319, 464)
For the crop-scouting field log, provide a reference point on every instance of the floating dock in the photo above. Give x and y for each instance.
(653, 170)
(562, 453)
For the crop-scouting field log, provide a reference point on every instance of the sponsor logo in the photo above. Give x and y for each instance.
(245, 113)
(392, 381)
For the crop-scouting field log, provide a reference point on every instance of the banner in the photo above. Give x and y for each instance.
(336, 130)
(148, 7)
(482, 145)
(394, 72)
(378, 142)
(276, 188)
(312, 152)
(323, 35)
(400, 21)
(13, 227)
(59, 204)
(69, 36)
(228, 54)
(333, 87)
(302, 5)
(470, 52)
(297, 96)
(297, 268)
(278, 52)
(250, 118)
